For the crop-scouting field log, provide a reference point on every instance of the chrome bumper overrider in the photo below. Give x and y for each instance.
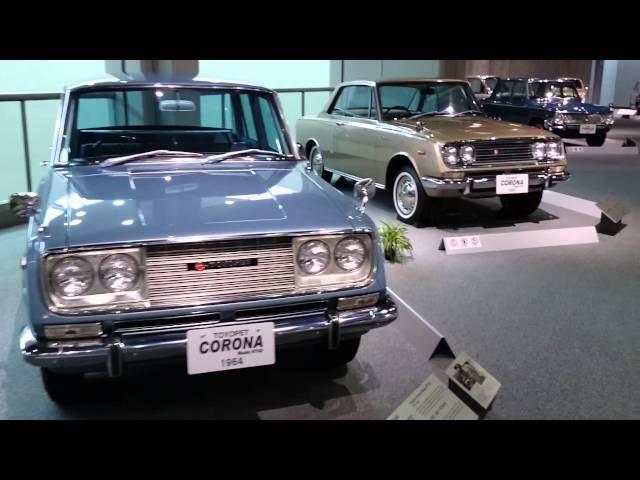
(486, 183)
(111, 352)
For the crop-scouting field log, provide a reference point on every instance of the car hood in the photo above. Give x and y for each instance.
(137, 203)
(450, 129)
(569, 105)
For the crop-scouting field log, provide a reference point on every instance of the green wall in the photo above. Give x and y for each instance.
(278, 74)
(34, 76)
(54, 75)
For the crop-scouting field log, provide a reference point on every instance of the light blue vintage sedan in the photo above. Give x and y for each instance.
(178, 223)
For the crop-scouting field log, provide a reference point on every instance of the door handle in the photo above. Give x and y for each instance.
(340, 124)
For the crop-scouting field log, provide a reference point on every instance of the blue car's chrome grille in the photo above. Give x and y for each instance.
(215, 272)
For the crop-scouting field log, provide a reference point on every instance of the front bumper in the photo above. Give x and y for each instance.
(573, 130)
(112, 352)
(485, 185)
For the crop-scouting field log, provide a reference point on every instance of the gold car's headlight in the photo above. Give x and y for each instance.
(333, 261)
(95, 280)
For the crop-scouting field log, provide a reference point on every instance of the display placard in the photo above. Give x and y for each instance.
(433, 401)
(473, 381)
(462, 243)
(613, 208)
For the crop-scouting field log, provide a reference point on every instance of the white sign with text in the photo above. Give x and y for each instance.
(461, 243)
(512, 184)
(230, 347)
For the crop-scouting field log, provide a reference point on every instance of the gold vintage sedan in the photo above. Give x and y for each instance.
(427, 139)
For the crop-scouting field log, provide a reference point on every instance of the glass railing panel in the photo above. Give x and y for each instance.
(13, 177)
(41, 120)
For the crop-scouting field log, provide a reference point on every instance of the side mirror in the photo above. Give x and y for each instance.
(364, 190)
(301, 152)
(25, 204)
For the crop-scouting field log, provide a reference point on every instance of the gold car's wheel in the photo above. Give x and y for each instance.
(410, 200)
(317, 164)
(405, 195)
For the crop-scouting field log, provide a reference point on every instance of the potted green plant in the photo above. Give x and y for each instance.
(395, 241)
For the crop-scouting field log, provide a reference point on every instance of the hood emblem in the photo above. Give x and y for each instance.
(496, 151)
(218, 264)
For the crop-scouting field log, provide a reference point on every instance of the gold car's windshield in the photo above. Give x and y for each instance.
(419, 99)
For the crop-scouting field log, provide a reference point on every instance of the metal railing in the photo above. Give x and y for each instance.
(23, 97)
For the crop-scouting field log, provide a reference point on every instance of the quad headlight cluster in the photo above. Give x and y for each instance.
(88, 279)
(455, 155)
(547, 151)
(333, 260)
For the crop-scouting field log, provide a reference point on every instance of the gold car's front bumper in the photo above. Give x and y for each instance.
(485, 185)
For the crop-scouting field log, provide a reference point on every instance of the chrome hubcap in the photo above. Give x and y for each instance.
(406, 194)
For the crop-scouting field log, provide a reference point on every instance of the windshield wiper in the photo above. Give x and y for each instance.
(244, 153)
(153, 153)
(480, 112)
(427, 114)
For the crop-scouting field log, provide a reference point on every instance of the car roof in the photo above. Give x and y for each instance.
(542, 79)
(400, 80)
(162, 82)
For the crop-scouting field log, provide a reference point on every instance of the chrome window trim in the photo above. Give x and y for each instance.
(63, 133)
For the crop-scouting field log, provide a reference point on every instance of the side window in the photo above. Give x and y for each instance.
(352, 101)
(519, 90)
(503, 90)
(536, 89)
(491, 82)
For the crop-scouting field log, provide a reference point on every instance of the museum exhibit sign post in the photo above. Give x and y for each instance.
(611, 219)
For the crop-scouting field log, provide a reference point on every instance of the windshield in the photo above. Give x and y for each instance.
(554, 90)
(409, 99)
(209, 121)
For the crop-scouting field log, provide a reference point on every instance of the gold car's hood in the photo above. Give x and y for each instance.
(450, 129)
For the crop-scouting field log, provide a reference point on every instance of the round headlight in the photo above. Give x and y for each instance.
(71, 276)
(539, 150)
(313, 257)
(559, 118)
(350, 253)
(467, 154)
(451, 155)
(119, 272)
(552, 149)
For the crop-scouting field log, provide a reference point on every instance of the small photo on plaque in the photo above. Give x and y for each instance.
(474, 382)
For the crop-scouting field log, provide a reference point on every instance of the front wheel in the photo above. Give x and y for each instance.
(521, 204)
(596, 140)
(62, 388)
(411, 202)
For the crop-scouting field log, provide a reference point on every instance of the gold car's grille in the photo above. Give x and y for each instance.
(503, 151)
(225, 271)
